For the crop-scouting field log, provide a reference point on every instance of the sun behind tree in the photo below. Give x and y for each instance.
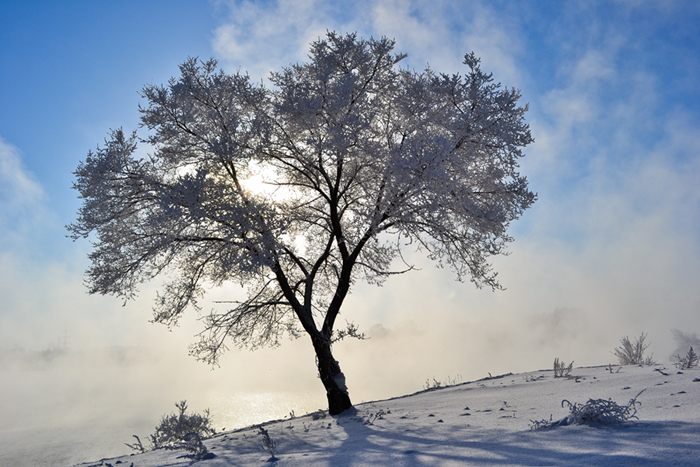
(368, 153)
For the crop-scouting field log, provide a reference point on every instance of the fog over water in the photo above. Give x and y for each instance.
(84, 405)
(82, 395)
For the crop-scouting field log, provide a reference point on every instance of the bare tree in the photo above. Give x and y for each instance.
(370, 157)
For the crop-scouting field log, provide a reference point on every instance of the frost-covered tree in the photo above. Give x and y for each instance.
(368, 157)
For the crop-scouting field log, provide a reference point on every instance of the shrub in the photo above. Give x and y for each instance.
(632, 353)
(180, 431)
(688, 361)
(561, 370)
(435, 384)
(595, 411)
(173, 428)
(267, 444)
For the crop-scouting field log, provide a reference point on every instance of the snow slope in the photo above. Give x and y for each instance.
(481, 423)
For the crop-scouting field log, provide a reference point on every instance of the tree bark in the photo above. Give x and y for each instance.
(332, 378)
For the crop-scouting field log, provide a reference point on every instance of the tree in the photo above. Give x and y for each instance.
(371, 157)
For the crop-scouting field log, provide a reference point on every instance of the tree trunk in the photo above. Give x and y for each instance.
(332, 378)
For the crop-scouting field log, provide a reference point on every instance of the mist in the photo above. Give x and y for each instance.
(97, 368)
(90, 371)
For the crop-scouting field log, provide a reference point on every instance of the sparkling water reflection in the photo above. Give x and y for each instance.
(240, 410)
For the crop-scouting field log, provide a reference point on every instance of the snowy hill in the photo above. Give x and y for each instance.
(481, 423)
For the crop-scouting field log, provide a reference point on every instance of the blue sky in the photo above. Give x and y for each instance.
(611, 248)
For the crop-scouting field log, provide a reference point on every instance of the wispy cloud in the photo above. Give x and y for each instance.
(17, 186)
(21, 196)
(261, 37)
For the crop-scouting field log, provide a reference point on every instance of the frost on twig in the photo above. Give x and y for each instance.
(351, 330)
(595, 411)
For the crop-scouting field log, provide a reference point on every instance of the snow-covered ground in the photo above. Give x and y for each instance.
(481, 423)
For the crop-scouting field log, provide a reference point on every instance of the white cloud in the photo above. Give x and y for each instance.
(17, 186)
(21, 196)
(260, 38)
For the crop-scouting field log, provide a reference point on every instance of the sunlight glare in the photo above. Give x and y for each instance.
(260, 182)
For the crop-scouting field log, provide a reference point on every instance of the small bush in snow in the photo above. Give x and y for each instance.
(561, 369)
(173, 428)
(267, 444)
(435, 384)
(595, 411)
(373, 417)
(687, 361)
(632, 353)
(180, 431)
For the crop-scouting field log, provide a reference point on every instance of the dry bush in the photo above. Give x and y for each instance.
(561, 370)
(267, 444)
(687, 361)
(180, 431)
(595, 411)
(632, 353)
(173, 428)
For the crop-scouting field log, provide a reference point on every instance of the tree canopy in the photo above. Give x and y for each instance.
(366, 157)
